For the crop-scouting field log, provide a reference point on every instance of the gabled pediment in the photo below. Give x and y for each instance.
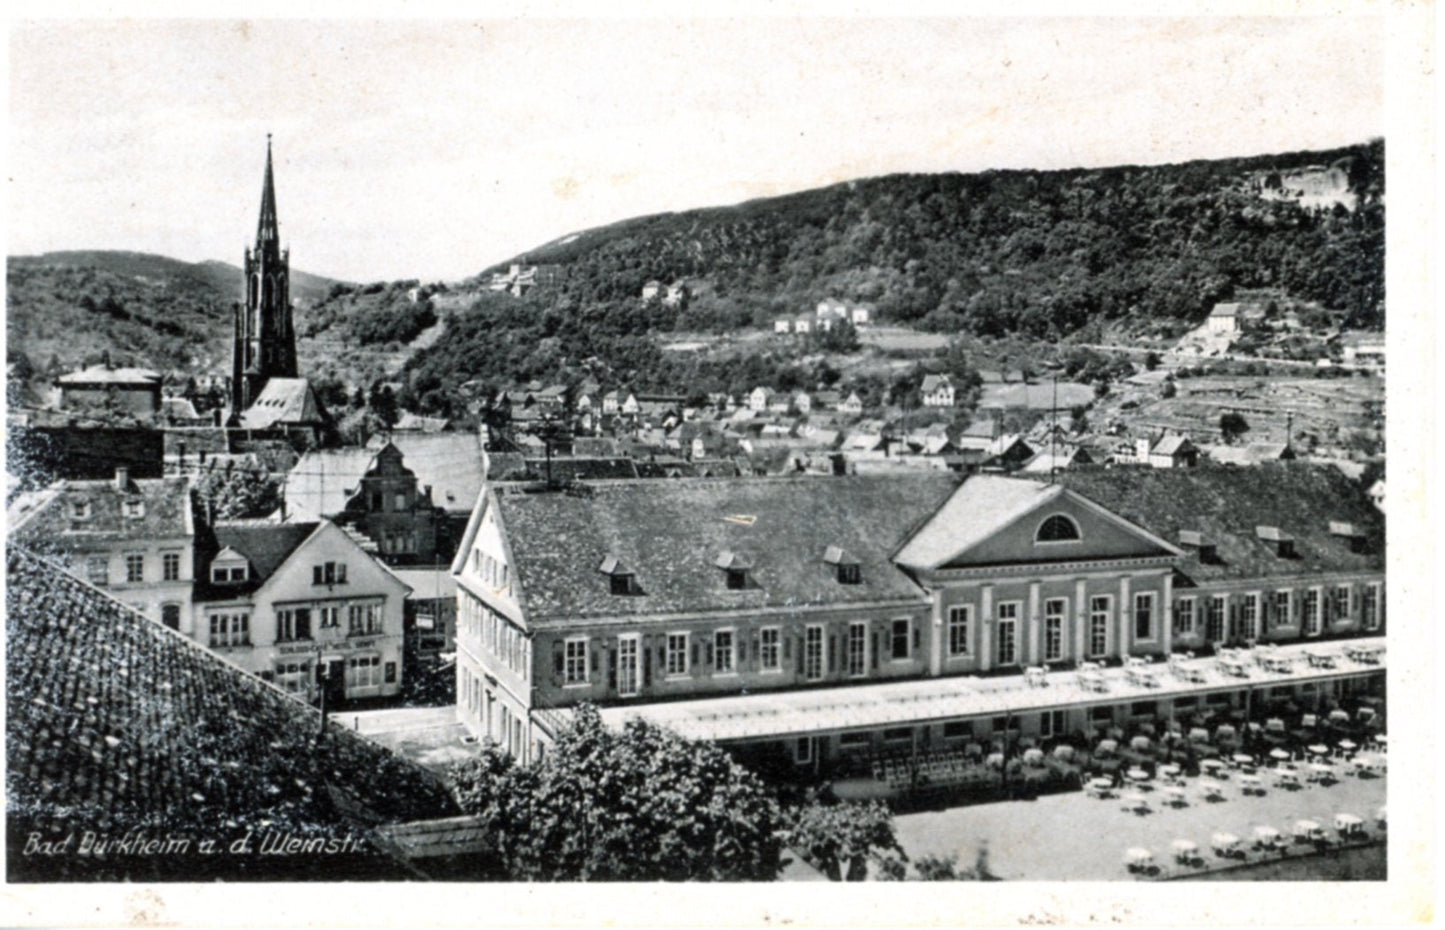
(1011, 521)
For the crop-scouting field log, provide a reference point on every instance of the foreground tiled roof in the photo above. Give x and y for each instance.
(671, 533)
(116, 722)
(1227, 504)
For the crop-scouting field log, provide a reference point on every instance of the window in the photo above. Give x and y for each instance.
(330, 618)
(622, 583)
(230, 629)
(228, 574)
(171, 615)
(850, 573)
(170, 566)
(1312, 612)
(574, 664)
(957, 729)
(627, 676)
(898, 735)
(857, 649)
(813, 653)
(737, 579)
(1099, 609)
(858, 738)
(399, 500)
(676, 656)
(899, 639)
(1280, 613)
(1057, 528)
(1340, 604)
(1370, 606)
(135, 565)
(1008, 613)
(133, 509)
(293, 624)
(80, 510)
(958, 618)
(363, 672)
(97, 569)
(365, 618)
(1055, 608)
(293, 677)
(803, 750)
(769, 644)
(376, 498)
(1214, 622)
(389, 673)
(1051, 724)
(1184, 615)
(1249, 617)
(722, 643)
(329, 573)
(1144, 615)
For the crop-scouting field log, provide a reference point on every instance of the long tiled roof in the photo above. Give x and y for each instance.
(49, 514)
(671, 533)
(453, 464)
(1227, 504)
(323, 481)
(117, 722)
(284, 401)
(266, 546)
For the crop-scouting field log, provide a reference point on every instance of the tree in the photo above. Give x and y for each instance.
(1232, 425)
(642, 804)
(1151, 361)
(839, 837)
(238, 494)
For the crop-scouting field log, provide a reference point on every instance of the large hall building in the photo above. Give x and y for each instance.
(837, 615)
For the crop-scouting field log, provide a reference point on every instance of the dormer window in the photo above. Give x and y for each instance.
(134, 509)
(1278, 539)
(1194, 539)
(846, 567)
(80, 510)
(622, 579)
(1057, 528)
(736, 568)
(228, 574)
(1350, 533)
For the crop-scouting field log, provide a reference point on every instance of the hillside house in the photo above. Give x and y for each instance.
(1224, 318)
(761, 398)
(937, 391)
(1170, 451)
(782, 326)
(802, 325)
(852, 404)
(135, 391)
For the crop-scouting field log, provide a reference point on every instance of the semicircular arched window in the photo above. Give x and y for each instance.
(1057, 528)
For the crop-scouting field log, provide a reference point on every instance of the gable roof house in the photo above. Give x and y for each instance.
(281, 599)
(119, 726)
(937, 391)
(133, 537)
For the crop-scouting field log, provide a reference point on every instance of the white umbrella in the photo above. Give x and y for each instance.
(1211, 788)
(1280, 754)
(1347, 822)
(1184, 846)
(1306, 828)
(1380, 814)
(1266, 833)
(1138, 855)
(1223, 840)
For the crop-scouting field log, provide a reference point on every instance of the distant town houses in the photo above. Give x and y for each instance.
(519, 279)
(670, 295)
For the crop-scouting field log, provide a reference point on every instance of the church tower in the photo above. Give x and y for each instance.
(265, 338)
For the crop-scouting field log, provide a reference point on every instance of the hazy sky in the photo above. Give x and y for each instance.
(432, 149)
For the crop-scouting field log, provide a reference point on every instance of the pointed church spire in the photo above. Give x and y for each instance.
(268, 236)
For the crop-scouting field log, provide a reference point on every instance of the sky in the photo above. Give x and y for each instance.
(433, 149)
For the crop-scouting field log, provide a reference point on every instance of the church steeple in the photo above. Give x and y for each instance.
(265, 337)
(268, 233)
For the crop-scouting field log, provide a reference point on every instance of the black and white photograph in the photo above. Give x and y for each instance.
(768, 448)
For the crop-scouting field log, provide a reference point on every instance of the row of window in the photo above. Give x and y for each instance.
(721, 652)
(362, 673)
(1055, 621)
(133, 508)
(1221, 617)
(492, 631)
(401, 501)
(495, 572)
(97, 568)
(233, 628)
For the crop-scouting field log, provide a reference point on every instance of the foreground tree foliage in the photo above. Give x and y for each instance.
(841, 839)
(639, 805)
(238, 494)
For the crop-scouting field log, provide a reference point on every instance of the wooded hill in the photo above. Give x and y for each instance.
(1051, 255)
(68, 307)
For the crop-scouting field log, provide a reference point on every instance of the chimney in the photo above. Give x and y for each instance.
(426, 492)
(122, 477)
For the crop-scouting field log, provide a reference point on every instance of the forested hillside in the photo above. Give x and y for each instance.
(67, 307)
(1041, 252)
(1050, 255)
